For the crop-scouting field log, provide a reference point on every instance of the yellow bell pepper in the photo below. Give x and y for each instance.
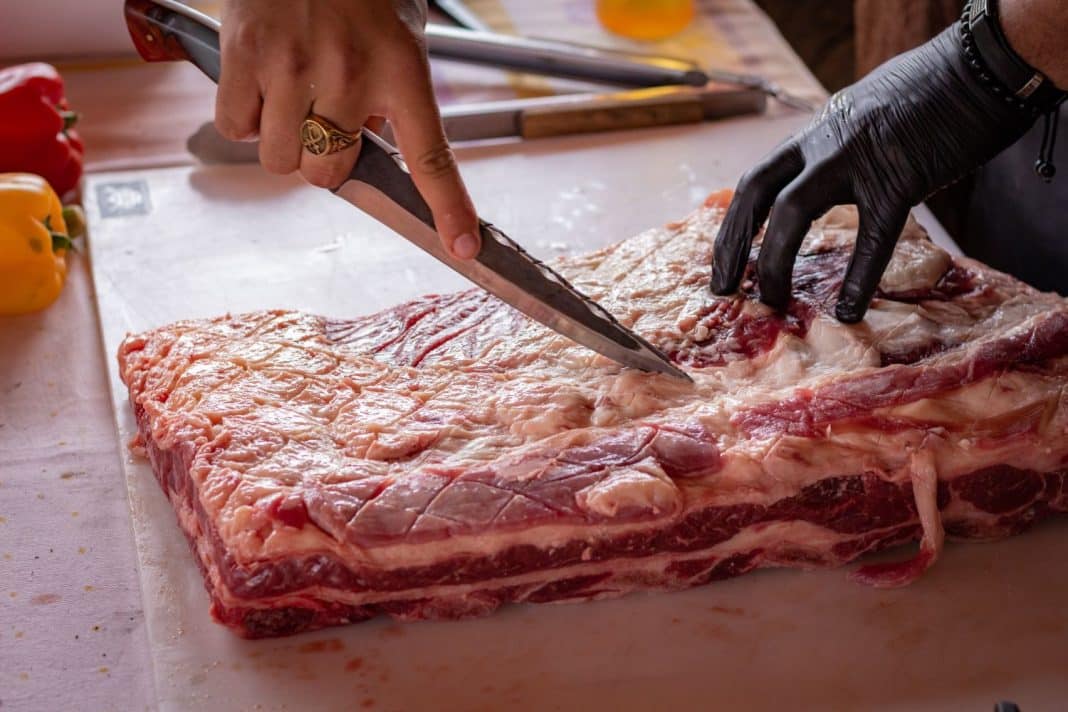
(33, 244)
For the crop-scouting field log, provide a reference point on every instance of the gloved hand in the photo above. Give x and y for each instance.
(912, 126)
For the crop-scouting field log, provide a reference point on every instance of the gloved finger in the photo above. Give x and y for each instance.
(877, 235)
(421, 140)
(238, 102)
(802, 201)
(748, 210)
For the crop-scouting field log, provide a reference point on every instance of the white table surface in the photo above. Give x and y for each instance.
(231, 239)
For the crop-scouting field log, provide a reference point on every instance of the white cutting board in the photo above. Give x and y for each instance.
(988, 622)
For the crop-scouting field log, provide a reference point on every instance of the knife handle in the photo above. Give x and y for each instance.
(609, 115)
(148, 37)
(166, 31)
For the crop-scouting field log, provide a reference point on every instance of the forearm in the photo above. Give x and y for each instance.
(1037, 29)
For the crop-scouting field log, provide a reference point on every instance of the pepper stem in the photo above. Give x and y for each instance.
(74, 218)
(69, 118)
(60, 241)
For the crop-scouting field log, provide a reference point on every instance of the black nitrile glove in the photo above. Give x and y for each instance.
(910, 127)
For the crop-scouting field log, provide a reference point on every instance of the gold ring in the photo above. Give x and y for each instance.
(320, 137)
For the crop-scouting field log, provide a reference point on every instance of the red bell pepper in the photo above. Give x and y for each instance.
(35, 126)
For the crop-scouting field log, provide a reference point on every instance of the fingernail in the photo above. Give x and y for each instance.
(465, 246)
(718, 283)
(250, 138)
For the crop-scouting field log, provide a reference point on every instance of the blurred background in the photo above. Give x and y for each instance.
(835, 38)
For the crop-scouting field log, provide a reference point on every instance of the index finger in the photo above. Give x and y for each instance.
(421, 140)
(748, 210)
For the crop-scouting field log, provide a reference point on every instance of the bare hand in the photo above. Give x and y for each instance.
(354, 63)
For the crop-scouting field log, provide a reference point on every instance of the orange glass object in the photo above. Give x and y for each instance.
(645, 19)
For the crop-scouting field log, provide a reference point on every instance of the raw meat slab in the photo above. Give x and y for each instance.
(446, 456)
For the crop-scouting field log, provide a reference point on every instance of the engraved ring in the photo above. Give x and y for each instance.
(320, 137)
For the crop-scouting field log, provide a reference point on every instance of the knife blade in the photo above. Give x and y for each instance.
(381, 186)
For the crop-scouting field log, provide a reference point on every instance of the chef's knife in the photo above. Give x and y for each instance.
(380, 185)
(576, 61)
(542, 116)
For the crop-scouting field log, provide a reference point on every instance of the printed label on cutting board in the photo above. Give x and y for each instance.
(122, 198)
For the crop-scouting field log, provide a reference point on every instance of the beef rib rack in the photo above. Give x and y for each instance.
(448, 455)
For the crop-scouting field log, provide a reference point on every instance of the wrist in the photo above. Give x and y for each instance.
(996, 64)
(1036, 30)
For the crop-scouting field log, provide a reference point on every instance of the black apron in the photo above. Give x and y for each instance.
(1017, 223)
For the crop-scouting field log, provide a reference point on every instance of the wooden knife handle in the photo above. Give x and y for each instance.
(609, 115)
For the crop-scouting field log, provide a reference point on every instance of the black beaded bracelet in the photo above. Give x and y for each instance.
(994, 61)
(1034, 94)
